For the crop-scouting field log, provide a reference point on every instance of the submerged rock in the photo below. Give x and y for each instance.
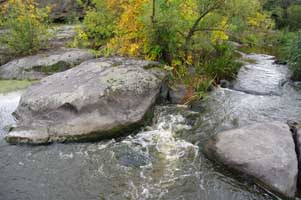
(40, 65)
(264, 151)
(280, 62)
(225, 84)
(101, 98)
(130, 157)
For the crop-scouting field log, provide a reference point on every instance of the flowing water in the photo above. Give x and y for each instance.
(163, 161)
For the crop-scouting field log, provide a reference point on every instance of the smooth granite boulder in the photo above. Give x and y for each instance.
(101, 98)
(44, 64)
(263, 151)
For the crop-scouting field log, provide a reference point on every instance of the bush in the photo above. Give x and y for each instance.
(222, 65)
(293, 54)
(99, 23)
(278, 41)
(27, 27)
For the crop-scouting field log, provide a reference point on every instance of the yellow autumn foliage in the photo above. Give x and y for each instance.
(220, 35)
(130, 38)
(260, 20)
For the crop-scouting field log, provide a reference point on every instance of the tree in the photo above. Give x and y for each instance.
(284, 12)
(294, 17)
(180, 33)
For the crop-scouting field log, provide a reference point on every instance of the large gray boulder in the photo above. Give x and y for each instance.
(264, 151)
(101, 98)
(44, 64)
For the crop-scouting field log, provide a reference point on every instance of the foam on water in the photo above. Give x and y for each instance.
(161, 142)
(8, 104)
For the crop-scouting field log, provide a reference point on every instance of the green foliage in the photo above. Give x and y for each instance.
(294, 17)
(286, 13)
(293, 54)
(202, 87)
(162, 31)
(278, 41)
(99, 24)
(222, 65)
(80, 40)
(27, 27)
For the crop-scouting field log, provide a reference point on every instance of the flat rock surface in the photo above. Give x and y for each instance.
(264, 151)
(43, 64)
(100, 98)
(62, 35)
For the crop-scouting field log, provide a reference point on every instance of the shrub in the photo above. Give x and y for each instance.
(27, 27)
(100, 22)
(222, 65)
(278, 41)
(293, 54)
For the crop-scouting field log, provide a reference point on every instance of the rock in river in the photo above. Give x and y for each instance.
(263, 151)
(177, 94)
(43, 64)
(100, 98)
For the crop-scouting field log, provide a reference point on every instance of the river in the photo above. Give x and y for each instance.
(163, 161)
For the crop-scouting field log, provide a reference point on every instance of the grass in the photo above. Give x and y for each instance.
(249, 60)
(13, 85)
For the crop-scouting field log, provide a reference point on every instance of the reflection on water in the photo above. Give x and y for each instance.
(163, 161)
